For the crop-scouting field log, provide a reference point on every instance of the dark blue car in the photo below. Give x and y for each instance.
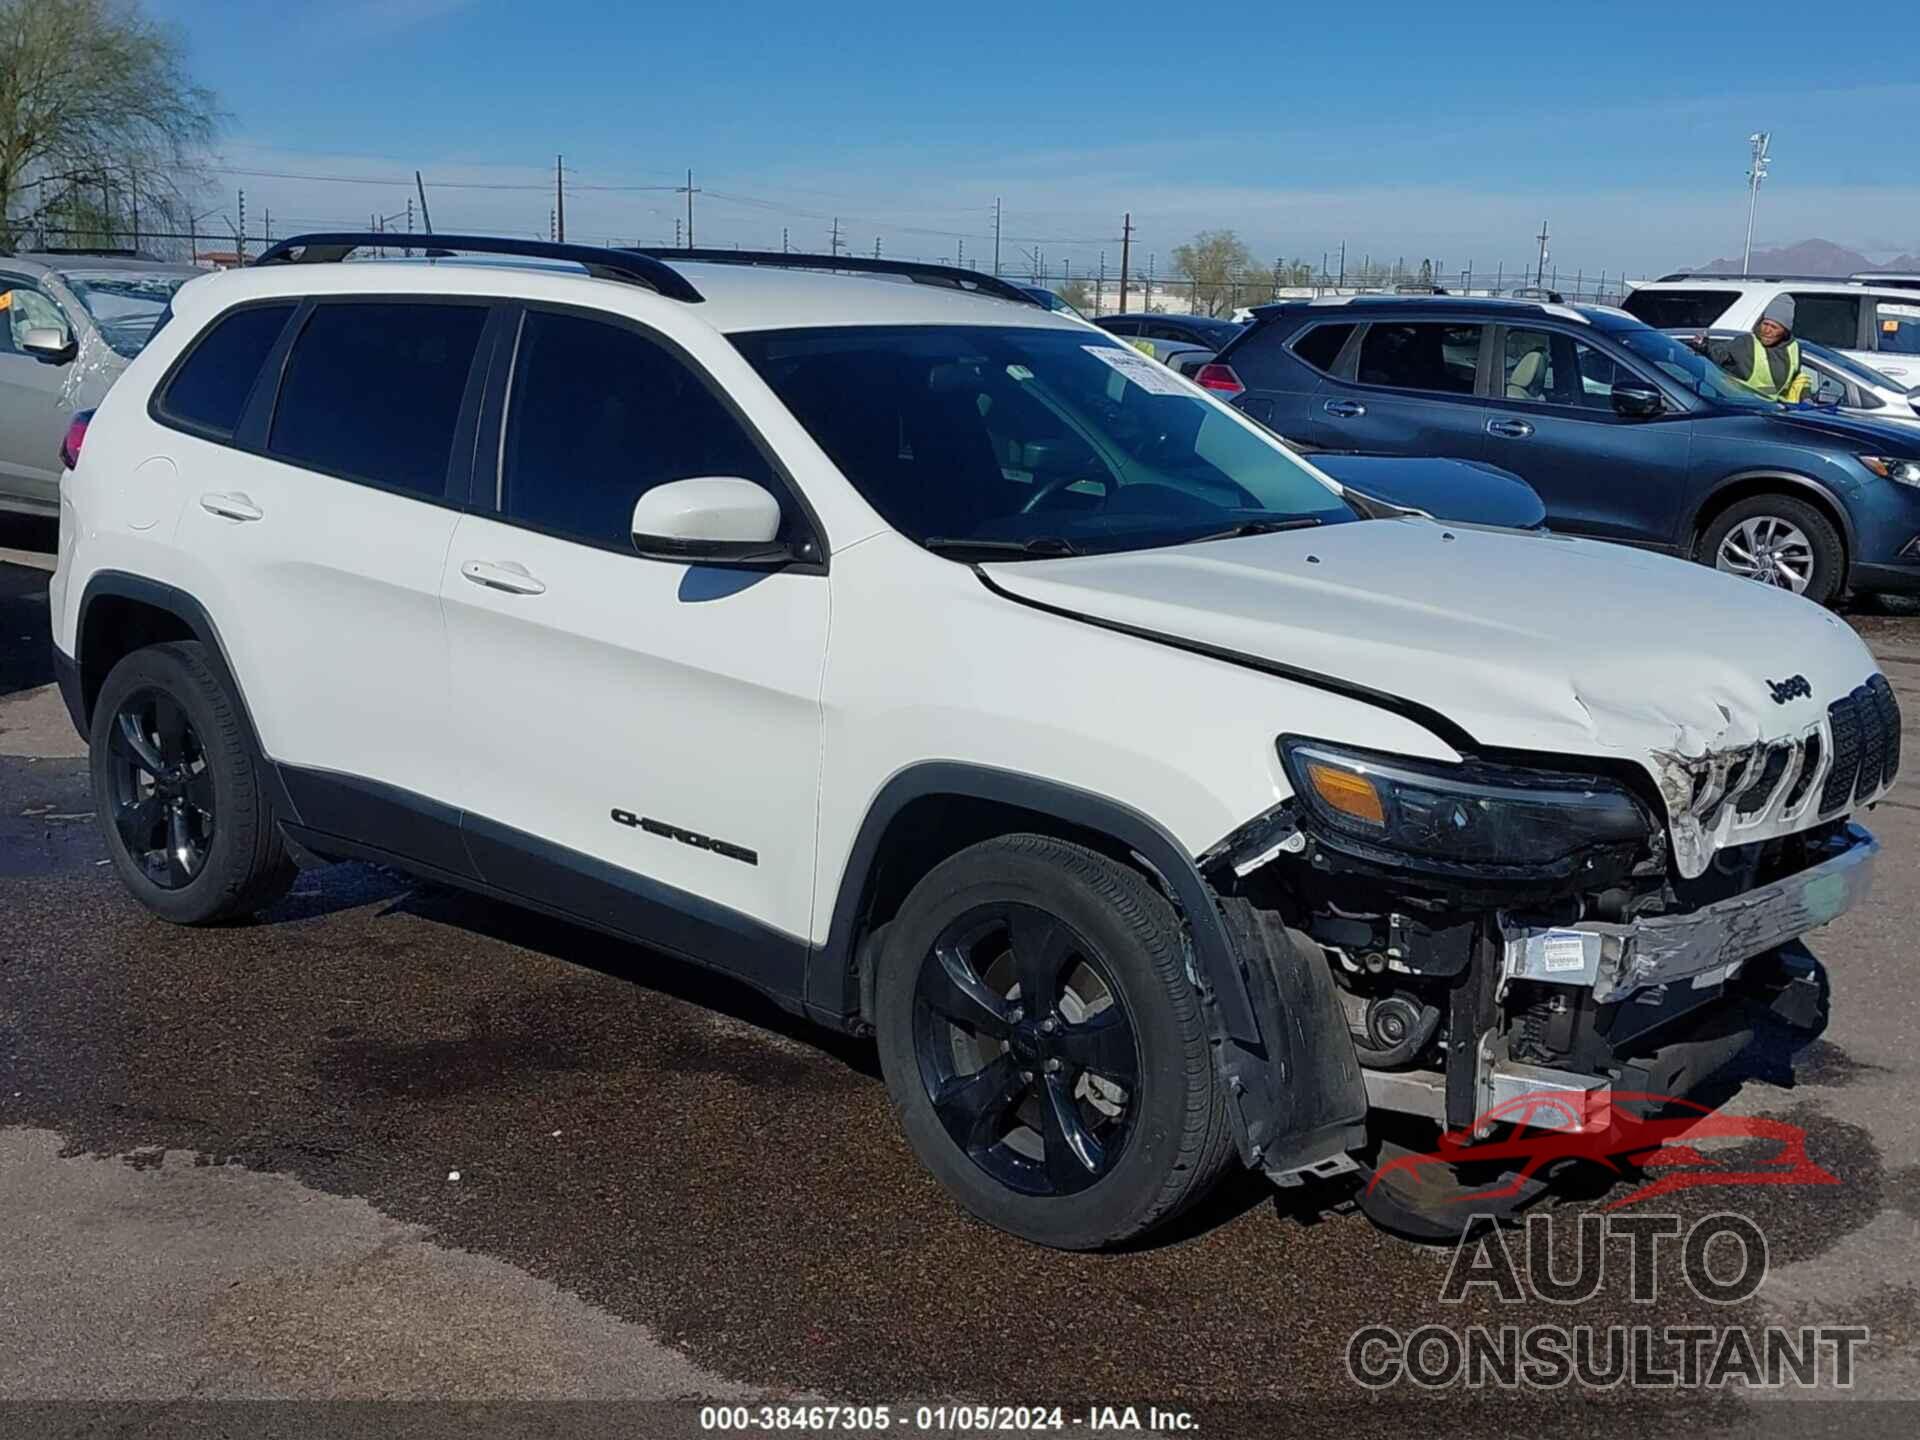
(1625, 433)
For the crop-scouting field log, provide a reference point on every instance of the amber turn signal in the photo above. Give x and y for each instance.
(1350, 794)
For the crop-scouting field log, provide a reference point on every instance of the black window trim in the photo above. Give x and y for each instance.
(1482, 364)
(156, 406)
(496, 415)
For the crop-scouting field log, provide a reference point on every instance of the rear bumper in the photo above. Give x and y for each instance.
(66, 674)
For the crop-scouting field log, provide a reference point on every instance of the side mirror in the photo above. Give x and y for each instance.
(1637, 401)
(43, 342)
(711, 520)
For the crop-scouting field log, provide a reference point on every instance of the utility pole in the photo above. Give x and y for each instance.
(426, 220)
(1126, 255)
(240, 235)
(690, 193)
(834, 240)
(1343, 265)
(960, 250)
(559, 201)
(676, 234)
(266, 225)
(996, 235)
(1756, 172)
(783, 239)
(409, 221)
(1100, 291)
(1149, 301)
(1540, 267)
(876, 247)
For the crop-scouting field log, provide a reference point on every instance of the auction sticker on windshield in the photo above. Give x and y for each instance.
(1145, 373)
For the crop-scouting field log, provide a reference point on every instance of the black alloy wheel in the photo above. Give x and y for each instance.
(1026, 1049)
(161, 788)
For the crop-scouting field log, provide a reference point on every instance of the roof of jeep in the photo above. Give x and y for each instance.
(737, 298)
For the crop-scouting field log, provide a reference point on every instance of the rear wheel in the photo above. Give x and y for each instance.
(186, 820)
(1043, 1047)
(1777, 540)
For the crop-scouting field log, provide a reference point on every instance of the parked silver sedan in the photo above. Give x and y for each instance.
(69, 323)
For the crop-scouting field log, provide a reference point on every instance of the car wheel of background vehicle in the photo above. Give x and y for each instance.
(1777, 540)
(187, 823)
(1044, 1049)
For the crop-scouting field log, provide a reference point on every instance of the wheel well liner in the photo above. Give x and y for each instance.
(1747, 484)
(121, 613)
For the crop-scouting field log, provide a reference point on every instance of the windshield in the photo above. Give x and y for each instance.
(1038, 437)
(125, 305)
(1691, 370)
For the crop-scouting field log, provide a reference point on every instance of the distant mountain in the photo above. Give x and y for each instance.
(1812, 257)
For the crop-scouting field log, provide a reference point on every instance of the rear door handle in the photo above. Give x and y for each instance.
(505, 575)
(1509, 429)
(1345, 409)
(232, 507)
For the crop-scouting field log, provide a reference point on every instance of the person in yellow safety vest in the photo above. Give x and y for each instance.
(1767, 362)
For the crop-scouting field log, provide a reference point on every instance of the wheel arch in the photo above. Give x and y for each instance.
(928, 812)
(121, 613)
(1745, 484)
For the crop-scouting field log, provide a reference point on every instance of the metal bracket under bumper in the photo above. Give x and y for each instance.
(1702, 947)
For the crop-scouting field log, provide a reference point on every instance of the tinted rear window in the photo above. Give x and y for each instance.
(209, 390)
(1428, 355)
(1679, 309)
(1321, 345)
(372, 392)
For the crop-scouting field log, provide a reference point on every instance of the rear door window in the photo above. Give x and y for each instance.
(1827, 320)
(372, 392)
(1679, 309)
(1426, 355)
(1321, 345)
(1896, 327)
(208, 392)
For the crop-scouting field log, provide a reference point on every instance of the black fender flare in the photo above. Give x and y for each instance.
(1272, 1041)
(187, 609)
(1787, 481)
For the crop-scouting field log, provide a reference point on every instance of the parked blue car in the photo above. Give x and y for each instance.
(1625, 433)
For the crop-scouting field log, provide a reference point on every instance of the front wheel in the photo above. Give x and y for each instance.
(1043, 1047)
(1777, 540)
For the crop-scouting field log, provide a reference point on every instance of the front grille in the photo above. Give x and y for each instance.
(1755, 797)
(1866, 744)
(1809, 768)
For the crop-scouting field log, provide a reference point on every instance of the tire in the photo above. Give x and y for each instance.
(174, 774)
(1816, 539)
(1151, 1141)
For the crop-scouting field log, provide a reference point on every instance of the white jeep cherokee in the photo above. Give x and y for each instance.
(952, 673)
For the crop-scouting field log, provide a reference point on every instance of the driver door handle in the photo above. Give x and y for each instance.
(231, 507)
(506, 576)
(1509, 429)
(1344, 409)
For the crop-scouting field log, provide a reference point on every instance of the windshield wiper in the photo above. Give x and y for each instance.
(1040, 547)
(1254, 527)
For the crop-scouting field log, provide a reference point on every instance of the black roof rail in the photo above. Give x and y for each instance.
(1771, 278)
(954, 277)
(601, 262)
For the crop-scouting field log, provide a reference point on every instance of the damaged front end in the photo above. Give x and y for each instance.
(1491, 930)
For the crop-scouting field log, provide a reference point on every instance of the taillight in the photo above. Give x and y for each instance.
(1220, 379)
(76, 435)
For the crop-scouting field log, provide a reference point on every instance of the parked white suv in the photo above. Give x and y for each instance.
(1873, 320)
(956, 674)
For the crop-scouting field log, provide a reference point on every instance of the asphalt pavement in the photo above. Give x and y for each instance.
(393, 1143)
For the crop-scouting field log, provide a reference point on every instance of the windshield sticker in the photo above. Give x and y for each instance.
(1143, 372)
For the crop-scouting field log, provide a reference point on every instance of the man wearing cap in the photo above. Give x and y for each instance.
(1767, 362)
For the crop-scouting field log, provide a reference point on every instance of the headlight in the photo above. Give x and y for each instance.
(1907, 472)
(1472, 814)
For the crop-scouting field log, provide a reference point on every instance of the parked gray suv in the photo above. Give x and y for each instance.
(72, 322)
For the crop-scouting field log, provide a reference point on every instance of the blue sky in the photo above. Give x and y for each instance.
(1447, 132)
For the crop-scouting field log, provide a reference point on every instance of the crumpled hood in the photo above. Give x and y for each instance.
(1526, 641)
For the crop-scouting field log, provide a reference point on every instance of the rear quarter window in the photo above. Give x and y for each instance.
(1679, 309)
(208, 390)
(1321, 345)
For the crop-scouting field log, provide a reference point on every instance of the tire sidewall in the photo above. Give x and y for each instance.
(1112, 1204)
(1829, 552)
(160, 668)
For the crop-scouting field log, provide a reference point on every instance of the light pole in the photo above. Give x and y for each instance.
(1756, 172)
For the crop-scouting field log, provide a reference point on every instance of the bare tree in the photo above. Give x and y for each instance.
(1219, 265)
(100, 123)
